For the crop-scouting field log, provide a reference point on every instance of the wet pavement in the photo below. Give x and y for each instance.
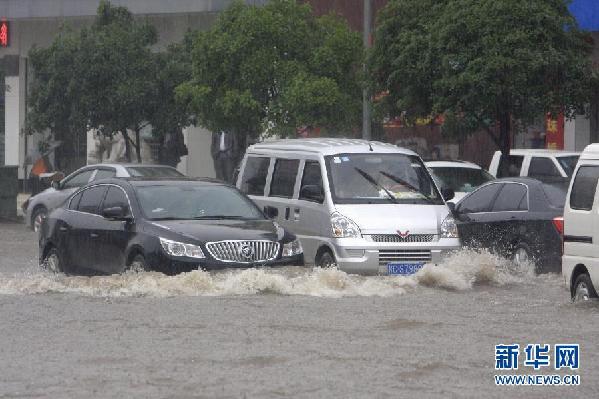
(294, 332)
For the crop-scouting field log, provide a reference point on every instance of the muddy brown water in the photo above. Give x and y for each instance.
(293, 332)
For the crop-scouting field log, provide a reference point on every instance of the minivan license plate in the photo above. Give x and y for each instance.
(403, 268)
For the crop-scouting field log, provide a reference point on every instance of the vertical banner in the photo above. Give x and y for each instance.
(554, 129)
(3, 33)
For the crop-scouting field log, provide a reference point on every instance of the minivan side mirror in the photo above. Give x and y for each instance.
(115, 213)
(271, 212)
(55, 185)
(312, 192)
(447, 193)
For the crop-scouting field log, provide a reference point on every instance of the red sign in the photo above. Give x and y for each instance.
(3, 33)
(554, 137)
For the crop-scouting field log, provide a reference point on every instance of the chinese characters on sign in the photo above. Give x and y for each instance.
(3, 34)
(537, 356)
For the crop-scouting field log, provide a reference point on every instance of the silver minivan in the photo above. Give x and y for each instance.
(368, 207)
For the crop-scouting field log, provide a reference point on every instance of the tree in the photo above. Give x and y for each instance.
(482, 63)
(99, 77)
(273, 69)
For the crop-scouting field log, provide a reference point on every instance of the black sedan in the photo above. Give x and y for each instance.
(174, 225)
(518, 217)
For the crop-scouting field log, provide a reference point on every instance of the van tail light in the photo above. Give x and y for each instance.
(558, 222)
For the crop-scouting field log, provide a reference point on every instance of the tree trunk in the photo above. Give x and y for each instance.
(137, 145)
(505, 130)
(127, 144)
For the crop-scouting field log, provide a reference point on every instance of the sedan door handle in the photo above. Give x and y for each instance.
(93, 235)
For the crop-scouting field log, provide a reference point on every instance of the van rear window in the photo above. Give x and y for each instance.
(583, 189)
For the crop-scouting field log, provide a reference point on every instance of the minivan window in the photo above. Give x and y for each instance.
(312, 177)
(512, 197)
(583, 189)
(91, 198)
(283, 178)
(542, 167)
(510, 166)
(254, 175)
(380, 178)
(480, 200)
(568, 163)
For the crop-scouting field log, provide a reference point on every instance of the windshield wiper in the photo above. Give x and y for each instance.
(219, 217)
(371, 180)
(406, 184)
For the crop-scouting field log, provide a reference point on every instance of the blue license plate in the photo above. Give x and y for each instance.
(403, 269)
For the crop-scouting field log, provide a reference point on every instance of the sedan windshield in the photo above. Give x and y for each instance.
(195, 201)
(460, 179)
(380, 178)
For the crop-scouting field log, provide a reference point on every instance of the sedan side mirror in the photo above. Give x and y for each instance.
(447, 194)
(312, 192)
(115, 213)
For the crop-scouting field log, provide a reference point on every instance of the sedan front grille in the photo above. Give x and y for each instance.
(243, 251)
(398, 238)
(404, 255)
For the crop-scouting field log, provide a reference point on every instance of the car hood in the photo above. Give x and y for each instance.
(219, 230)
(389, 218)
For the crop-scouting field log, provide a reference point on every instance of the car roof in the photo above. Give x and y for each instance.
(327, 146)
(591, 151)
(159, 181)
(540, 152)
(452, 164)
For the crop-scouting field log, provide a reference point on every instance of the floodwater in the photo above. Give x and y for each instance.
(273, 333)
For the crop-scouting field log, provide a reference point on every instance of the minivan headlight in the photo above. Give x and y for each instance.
(175, 248)
(449, 229)
(292, 248)
(343, 227)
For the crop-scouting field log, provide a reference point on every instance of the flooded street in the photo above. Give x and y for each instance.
(280, 333)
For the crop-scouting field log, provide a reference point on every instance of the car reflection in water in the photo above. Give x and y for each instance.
(516, 217)
(167, 225)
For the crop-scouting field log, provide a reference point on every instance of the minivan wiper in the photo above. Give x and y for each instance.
(406, 184)
(371, 180)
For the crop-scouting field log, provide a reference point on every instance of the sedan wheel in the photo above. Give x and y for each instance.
(52, 262)
(583, 289)
(138, 264)
(326, 260)
(38, 217)
(521, 256)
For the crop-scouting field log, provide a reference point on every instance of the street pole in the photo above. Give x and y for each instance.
(366, 134)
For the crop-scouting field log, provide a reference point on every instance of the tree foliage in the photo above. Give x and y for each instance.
(106, 76)
(482, 63)
(275, 68)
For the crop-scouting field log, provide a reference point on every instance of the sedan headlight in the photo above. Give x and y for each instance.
(292, 248)
(175, 248)
(343, 227)
(449, 229)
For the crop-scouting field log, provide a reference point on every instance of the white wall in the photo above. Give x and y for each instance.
(11, 122)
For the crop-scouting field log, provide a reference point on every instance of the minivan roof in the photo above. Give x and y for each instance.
(591, 151)
(541, 152)
(327, 146)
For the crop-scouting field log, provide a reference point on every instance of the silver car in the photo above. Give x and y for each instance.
(37, 207)
(367, 207)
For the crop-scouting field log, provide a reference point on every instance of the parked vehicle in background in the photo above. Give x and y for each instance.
(368, 207)
(545, 165)
(164, 225)
(580, 263)
(37, 207)
(460, 176)
(518, 218)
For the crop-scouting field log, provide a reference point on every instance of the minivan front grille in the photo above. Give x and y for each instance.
(243, 251)
(398, 238)
(404, 255)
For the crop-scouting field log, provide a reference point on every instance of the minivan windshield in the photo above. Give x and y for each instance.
(195, 201)
(380, 178)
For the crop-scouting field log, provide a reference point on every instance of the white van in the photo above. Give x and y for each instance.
(580, 261)
(368, 207)
(544, 165)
